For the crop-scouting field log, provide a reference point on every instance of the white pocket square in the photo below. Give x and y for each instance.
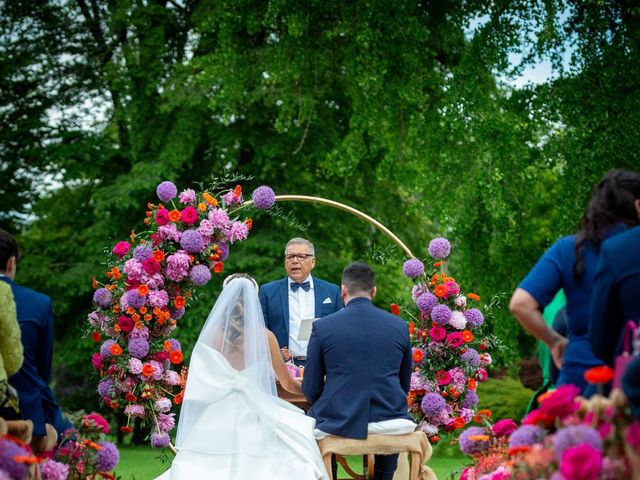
(326, 300)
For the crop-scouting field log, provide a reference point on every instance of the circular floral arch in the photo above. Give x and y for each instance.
(151, 278)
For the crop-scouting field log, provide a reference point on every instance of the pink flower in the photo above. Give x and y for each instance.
(505, 427)
(96, 361)
(162, 217)
(482, 375)
(454, 339)
(438, 333)
(561, 402)
(121, 249)
(443, 377)
(150, 266)
(582, 462)
(236, 231)
(189, 215)
(633, 435)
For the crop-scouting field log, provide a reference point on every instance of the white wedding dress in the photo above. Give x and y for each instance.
(232, 425)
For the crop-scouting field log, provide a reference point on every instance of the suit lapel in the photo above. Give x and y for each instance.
(284, 301)
(318, 293)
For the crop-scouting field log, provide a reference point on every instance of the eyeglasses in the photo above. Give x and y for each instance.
(290, 257)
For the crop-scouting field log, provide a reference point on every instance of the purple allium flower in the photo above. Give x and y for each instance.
(469, 446)
(102, 297)
(52, 470)
(142, 332)
(439, 248)
(413, 268)
(175, 344)
(223, 251)
(433, 403)
(474, 317)
(135, 365)
(236, 231)
(132, 299)
(575, 435)
(526, 435)
(142, 252)
(440, 314)
(159, 439)
(166, 191)
(166, 421)
(134, 410)
(138, 347)
(105, 388)
(108, 456)
(470, 399)
(171, 377)
(200, 275)
(9, 450)
(426, 302)
(177, 313)
(192, 241)
(219, 218)
(105, 348)
(263, 197)
(163, 404)
(158, 298)
(471, 356)
(188, 196)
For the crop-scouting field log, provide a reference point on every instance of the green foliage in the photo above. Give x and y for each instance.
(505, 397)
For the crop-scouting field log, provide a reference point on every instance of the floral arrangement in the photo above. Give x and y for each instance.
(566, 438)
(149, 282)
(17, 461)
(450, 351)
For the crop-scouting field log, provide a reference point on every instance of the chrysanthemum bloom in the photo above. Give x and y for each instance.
(108, 456)
(413, 268)
(474, 317)
(472, 441)
(526, 435)
(432, 404)
(471, 356)
(187, 196)
(263, 197)
(52, 470)
(102, 297)
(441, 314)
(166, 421)
(561, 402)
(142, 252)
(158, 298)
(575, 435)
(166, 191)
(191, 241)
(219, 218)
(236, 231)
(200, 275)
(426, 302)
(159, 439)
(163, 404)
(138, 347)
(439, 248)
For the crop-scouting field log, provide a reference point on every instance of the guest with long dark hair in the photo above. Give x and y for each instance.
(571, 264)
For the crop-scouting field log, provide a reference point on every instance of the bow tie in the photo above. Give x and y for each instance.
(296, 285)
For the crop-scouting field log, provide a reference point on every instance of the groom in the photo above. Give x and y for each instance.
(298, 296)
(358, 369)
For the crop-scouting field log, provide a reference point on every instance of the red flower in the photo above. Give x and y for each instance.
(178, 302)
(96, 336)
(162, 217)
(94, 283)
(218, 267)
(418, 355)
(395, 309)
(125, 323)
(131, 397)
(151, 266)
(561, 402)
(175, 357)
(454, 339)
(599, 375)
(126, 429)
(437, 333)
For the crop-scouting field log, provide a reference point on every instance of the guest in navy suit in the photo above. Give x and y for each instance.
(35, 316)
(286, 302)
(358, 369)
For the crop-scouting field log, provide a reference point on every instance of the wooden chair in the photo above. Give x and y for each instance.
(414, 444)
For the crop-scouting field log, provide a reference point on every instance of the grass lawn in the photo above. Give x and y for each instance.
(145, 463)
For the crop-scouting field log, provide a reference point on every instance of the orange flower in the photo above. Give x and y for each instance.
(26, 459)
(126, 429)
(115, 349)
(116, 328)
(177, 399)
(237, 191)
(174, 215)
(167, 346)
(471, 383)
(148, 214)
(178, 302)
(440, 291)
(599, 375)
(249, 223)
(147, 370)
(131, 310)
(202, 207)
(473, 296)
(175, 357)
(484, 413)
(148, 317)
(434, 439)
(412, 328)
(150, 205)
(135, 317)
(467, 336)
(158, 255)
(218, 267)
(519, 449)
(395, 309)
(209, 199)
(139, 324)
(459, 423)
(116, 309)
(143, 290)
(91, 444)
(435, 277)
(111, 288)
(94, 283)
(96, 336)
(411, 397)
(142, 310)
(132, 236)
(106, 475)
(478, 438)
(146, 221)
(439, 264)
(418, 355)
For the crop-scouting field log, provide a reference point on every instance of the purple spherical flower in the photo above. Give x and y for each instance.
(166, 191)
(470, 399)
(469, 443)
(439, 248)
(177, 313)
(52, 470)
(200, 275)
(192, 241)
(413, 268)
(175, 344)
(526, 435)
(138, 347)
(134, 300)
(223, 251)
(142, 252)
(105, 388)
(108, 456)
(474, 317)
(440, 314)
(433, 403)
(263, 197)
(471, 356)
(105, 348)
(9, 450)
(102, 297)
(575, 435)
(426, 302)
(159, 439)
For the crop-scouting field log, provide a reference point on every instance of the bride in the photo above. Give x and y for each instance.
(232, 424)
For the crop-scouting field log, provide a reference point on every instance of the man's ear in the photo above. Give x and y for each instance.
(343, 291)
(637, 204)
(11, 266)
(374, 291)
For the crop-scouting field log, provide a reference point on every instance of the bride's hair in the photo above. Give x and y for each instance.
(233, 276)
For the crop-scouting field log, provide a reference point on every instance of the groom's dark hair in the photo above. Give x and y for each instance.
(8, 248)
(358, 277)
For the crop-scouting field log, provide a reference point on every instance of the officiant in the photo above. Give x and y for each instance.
(291, 303)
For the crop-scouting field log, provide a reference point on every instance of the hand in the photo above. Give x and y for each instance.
(557, 350)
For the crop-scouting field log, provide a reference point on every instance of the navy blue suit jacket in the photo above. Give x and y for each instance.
(37, 401)
(616, 293)
(365, 355)
(274, 298)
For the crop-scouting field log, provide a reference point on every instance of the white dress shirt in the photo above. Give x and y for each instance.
(301, 305)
